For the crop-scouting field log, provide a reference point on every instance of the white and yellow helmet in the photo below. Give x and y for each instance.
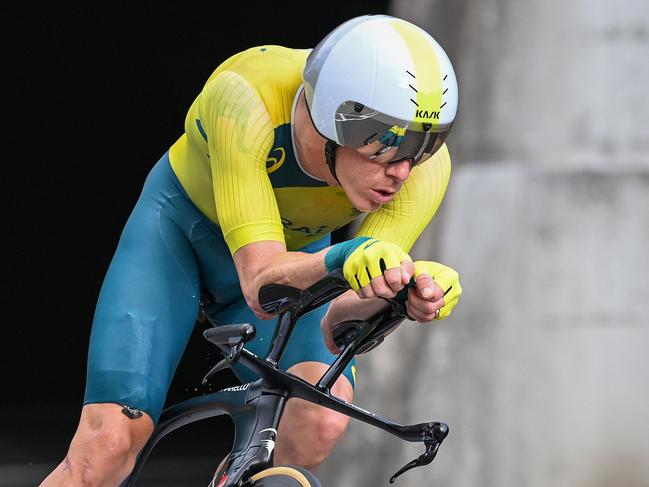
(380, 78)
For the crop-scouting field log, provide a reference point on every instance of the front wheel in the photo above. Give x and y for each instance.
(292, 476)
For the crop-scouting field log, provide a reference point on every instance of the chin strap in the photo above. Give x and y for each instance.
(330, 157)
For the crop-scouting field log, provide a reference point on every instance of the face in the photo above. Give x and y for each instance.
(366, 177)
(370, 183)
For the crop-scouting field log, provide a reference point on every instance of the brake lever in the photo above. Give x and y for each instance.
(398, 303)
(227, 362)
(436, 432)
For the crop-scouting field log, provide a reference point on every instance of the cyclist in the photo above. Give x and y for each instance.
(281, 147)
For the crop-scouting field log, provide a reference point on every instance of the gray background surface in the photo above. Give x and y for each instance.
(542, 370)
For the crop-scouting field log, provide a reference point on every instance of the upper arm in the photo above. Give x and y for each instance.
(240, 136)
(403, 219)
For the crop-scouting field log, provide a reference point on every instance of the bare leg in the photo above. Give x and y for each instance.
(103, 449)
(307, 432)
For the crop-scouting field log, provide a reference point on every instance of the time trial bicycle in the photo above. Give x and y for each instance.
(256, 407)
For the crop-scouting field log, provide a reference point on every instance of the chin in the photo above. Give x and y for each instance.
(368, 206)
(363, 203)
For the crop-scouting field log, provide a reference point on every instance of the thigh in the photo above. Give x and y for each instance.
(146, 311)
(312, 371)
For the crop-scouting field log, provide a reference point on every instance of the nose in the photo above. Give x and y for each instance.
(399, 170)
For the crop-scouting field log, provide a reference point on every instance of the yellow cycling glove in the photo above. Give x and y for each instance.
(363, 259)
(370, 260)
(446, 278)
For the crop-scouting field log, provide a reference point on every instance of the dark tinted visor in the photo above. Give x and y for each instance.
(358, 126)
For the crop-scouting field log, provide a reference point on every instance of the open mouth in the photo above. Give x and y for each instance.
(382, 196)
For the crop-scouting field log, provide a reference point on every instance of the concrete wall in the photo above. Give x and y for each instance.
(542, 371)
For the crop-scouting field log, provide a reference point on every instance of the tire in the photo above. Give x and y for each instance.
(289, 476)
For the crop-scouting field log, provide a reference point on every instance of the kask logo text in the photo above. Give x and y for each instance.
(427, 114)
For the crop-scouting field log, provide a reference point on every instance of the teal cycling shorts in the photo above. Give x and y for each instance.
(149, 301)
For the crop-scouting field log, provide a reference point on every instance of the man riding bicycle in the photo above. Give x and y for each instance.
(281, 147)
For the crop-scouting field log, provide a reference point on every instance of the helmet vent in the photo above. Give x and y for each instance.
(413, 88)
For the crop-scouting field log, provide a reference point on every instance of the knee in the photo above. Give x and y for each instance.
(100, 455)
(104, 450)
(326, 427)
(330, 426)
(112, 445)
(307, 434)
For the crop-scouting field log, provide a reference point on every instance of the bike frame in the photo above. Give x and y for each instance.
(257, 407)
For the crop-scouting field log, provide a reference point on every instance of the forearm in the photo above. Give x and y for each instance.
(349, 306)
(269, 262)
(296, 269)
(300, 270)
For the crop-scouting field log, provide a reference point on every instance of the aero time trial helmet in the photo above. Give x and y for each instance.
(381, 79)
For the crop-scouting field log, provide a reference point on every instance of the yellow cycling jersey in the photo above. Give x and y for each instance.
(237, 164)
